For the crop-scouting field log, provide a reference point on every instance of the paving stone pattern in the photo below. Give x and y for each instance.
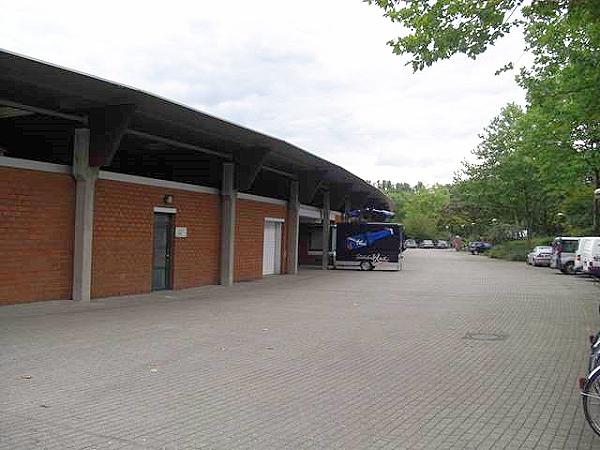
(325, 360)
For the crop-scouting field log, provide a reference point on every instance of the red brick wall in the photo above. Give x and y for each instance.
(249, 233)
(123, 227)
(37, 230)
(36, 235)
(197, 256)
(303, 256)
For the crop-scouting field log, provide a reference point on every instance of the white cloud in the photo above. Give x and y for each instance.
(315, 73)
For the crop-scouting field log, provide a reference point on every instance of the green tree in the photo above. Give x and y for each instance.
(519, 178)
(439, 29)
(521, 159)
(564, 82)
(420, 208)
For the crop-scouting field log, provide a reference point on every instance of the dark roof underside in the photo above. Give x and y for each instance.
(37, 135)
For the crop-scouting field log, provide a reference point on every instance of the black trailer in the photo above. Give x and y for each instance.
(368, 245)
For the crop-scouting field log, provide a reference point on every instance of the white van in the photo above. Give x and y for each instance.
(585, 244)
(590, 256)
(563, 254)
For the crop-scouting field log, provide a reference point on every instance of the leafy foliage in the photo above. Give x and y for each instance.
(517, 250)
(520, 178)
(420, 208)
(440, 29)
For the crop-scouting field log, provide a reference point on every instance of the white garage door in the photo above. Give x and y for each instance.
(272, 248)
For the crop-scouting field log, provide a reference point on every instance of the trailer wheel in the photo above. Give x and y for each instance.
(366, 265)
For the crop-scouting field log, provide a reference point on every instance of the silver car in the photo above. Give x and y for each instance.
(540, 256)
(427, 243)
(442, 244)
(410, 243)
(563, 254)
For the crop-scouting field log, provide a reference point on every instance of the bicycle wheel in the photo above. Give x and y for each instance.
(594, 359)
(591, 400)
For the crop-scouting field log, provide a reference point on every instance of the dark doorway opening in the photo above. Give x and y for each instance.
(163, 245)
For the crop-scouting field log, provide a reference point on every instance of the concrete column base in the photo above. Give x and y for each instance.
(325, 218)
(85, 179)
(293, 225)
(228, 206)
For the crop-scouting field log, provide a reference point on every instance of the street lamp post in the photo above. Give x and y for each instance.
(561, 217)
(597, 210)
(494, 233)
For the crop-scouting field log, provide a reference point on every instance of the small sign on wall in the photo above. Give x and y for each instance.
(180, 232)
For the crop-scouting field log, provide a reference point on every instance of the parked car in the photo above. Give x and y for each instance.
(476, 247)
(563, 254)
(427, 243)
(540, 256)
(590, 256)
(410, 243)
(584, 243)
(442, 244)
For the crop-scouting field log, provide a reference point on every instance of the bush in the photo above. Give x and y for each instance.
(517, 250)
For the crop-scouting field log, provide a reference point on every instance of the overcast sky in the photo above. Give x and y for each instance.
(316, 73)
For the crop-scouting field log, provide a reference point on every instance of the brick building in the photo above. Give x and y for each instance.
(106, 190)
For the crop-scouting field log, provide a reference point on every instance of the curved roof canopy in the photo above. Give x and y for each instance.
(37, 97)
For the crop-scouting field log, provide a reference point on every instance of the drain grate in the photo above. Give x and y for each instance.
(477, 336)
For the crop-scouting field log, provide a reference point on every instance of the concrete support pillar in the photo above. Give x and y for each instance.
(85, 183)
(347, 208)
(325, 219)
(293, 225)
(228, 204)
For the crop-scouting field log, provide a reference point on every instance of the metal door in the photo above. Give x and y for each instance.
(272, 248)
(163, 243)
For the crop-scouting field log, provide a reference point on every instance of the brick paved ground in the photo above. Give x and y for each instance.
(324, 360)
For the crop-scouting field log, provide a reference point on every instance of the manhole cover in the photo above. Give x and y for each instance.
(485, 336)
